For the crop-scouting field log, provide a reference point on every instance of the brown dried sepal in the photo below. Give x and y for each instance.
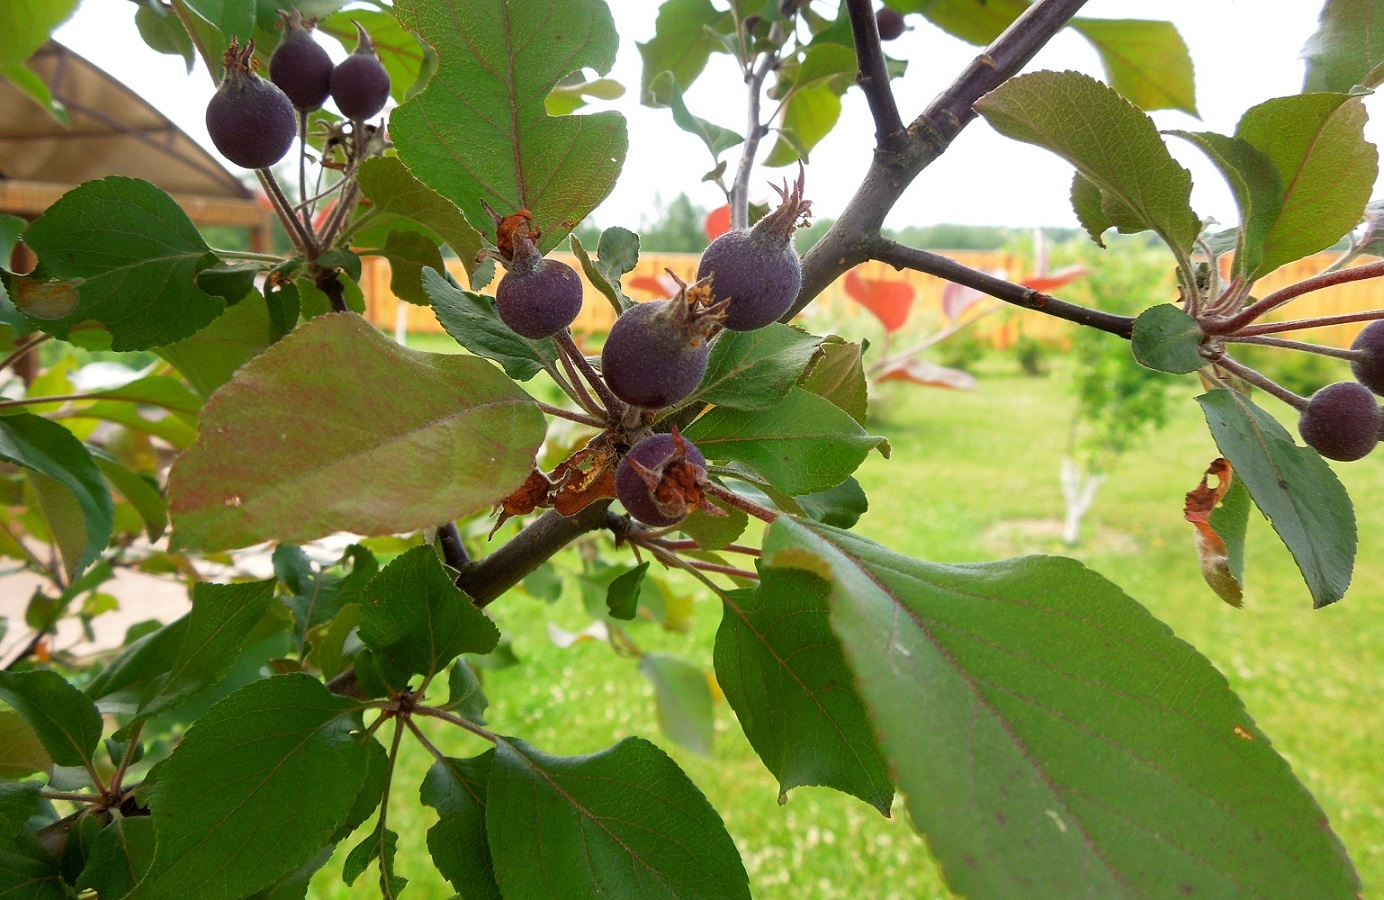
(585, 477)
(513, 232)
(529, 496)
(1201, 501)
(677, 485)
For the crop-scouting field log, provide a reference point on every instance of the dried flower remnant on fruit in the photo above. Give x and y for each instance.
(300, 66)
(656, 352)
(250, 120)
(537, 297)
(757, 272)
(660, 480)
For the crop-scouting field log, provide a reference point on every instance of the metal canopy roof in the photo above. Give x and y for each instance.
(112, 131)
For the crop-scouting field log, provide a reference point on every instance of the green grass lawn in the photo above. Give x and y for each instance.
(965, 468)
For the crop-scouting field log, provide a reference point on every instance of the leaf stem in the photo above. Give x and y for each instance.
(70, 796)
(387, 882)
(245, 254)
(1268, 385)
(1315, 322)
(435, 713)
(21, 350)
(300, 238)
(126, 759)
(613, 405)
(692, 545)
(570, 415)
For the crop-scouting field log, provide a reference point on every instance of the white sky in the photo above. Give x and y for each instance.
(1244, 53)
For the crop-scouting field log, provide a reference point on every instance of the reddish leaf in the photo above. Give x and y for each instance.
(957, 298)
(1211, 550)
(1053, 280)
(661, 286)
(717, 222)
(587, 476)
(920, 372)
(890, 300)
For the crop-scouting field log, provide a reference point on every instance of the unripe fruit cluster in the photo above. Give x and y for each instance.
(1342, 421)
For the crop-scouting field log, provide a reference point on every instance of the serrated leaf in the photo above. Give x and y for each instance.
(684, 39)
(664, 91)
(63, 718)
(973, 21)
(409, 254)
(837, 372)
(684, 700)
(617, 252)
(1167, 339)
(566, 98)
(52, 452)
(163, 33)
(464, 694)
(138, 491)
(840, 506)
(1293, 486)
(1146, 61)
(380, 845)
(417, 621)
(26, 24)
(623, 822)
(21, 751)
(317, 596)
(783, 672)
(714, 532)
(1051, 738)
(394, 191)
(35, 875)
(1345, 47)
(209, 644)
(256, 472)
(755, 369)
(1325, 166)
(1258, 191)
(19, 802)
(480, 130)
(120, 857)
(119, 252)
(456, 788)
(804, 444)
(215, 23)
(622, 595)
(210, 357)
(1109, 140)
(808, 117)
(471, 320)
(254, 790)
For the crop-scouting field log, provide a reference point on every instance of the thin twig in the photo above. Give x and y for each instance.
(1315, 322)
(874, 76)
(1268, 385)
(1305, 347)
(754, 132)
(1283, 295)
(21, 350)
(733, 499)
(386, 882)
(692, 545)
(127, 758)
(574, 387)
(613, 405)
(70, 797)
(453, 550)
(904, 257)
(302, 242)
(433, 712)
(302, 206)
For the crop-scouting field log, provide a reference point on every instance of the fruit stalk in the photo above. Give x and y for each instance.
(614, 406)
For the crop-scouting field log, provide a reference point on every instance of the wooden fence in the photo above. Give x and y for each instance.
(833, 306)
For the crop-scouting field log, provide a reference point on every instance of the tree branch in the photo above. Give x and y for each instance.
(903, 257)
(755, 131)
(892, 171)
(874, 76)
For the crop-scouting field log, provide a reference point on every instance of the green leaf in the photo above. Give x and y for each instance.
(471, 320)
(1166, 339)
(714, 532)
(464, 694)
(809, 116)
(163, 33)
(1145, 61)
(617, 252)
(417, 621)
(480, 129)
(804, 444)
(254, 790)
(409, 253)
(784, 674)
(232, 282)
(121, 683)
(664, 91)
(26, 24)
(63, 718)
(684, 39)
(755, 369)
(138, 491)
(1325, 166)
(837, 372)
(1230, 519)
(210, 643)
(210, 357)
(1087, 204)
(21, 751)
(974, 21)
(684, 700)
(216, 22)
(1051, 738)
(571, 93)
(317, 596)
(51, 451)
(120, 858)
(1109, 140)
(840, 506)
(394, 191)
(1293, 486)
(623, 822)
(380, 844)
(18, 804)
(28, 82)
(456, 788)
(1257, 188)
(31, 876)
(622, 596)
(1346, 46)
(120, 253)
(324, 409)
